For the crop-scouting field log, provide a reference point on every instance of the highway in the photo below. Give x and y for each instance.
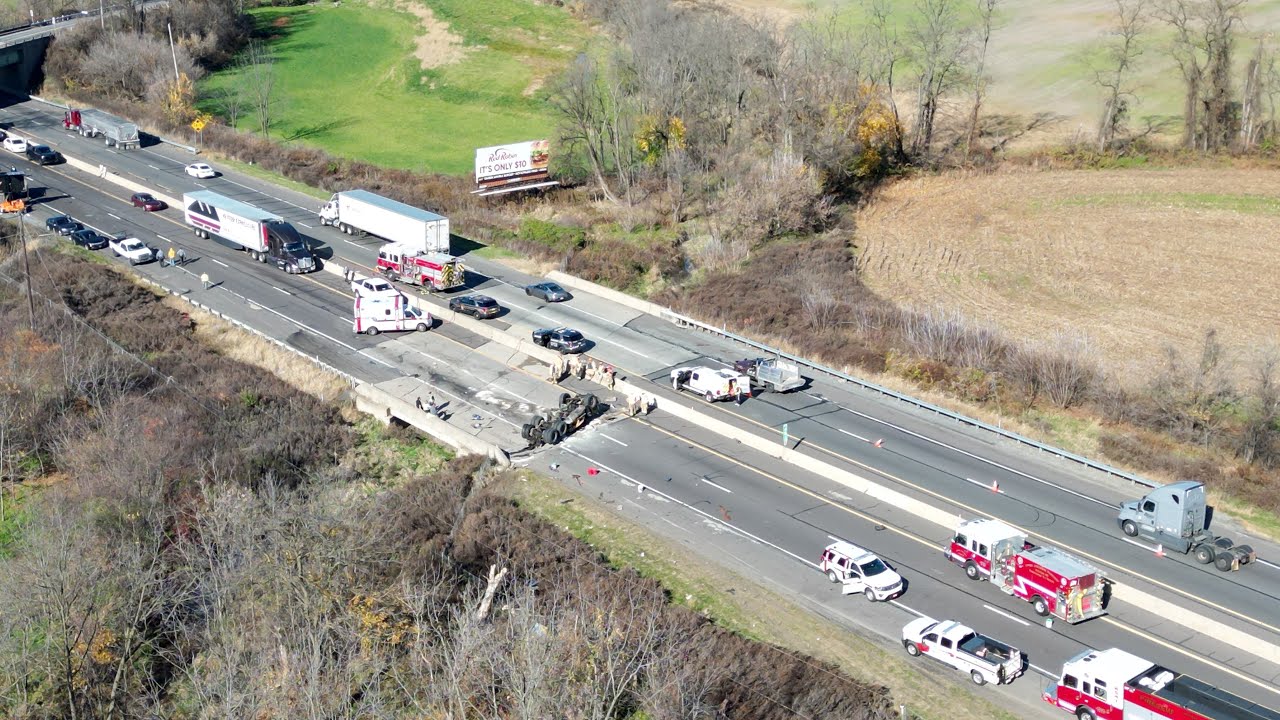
(787, 514)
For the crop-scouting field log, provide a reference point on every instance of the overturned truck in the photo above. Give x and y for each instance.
(554, 425)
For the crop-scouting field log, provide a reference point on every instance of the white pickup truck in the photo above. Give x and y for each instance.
(986, 660)
(132, 249)
(710, 383)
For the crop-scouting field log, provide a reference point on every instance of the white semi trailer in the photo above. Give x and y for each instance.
(265, 236)
(362, 212)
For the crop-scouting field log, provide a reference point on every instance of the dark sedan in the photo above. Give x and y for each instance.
(62, 225)
(90, 239)
(481, 306)
(43, 154)
(548, 291)
(147, 202)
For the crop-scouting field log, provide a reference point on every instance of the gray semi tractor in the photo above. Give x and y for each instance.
(1176, 516)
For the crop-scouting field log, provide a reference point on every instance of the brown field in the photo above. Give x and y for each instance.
(1136, 259)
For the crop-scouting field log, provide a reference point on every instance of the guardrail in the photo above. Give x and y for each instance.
(684, 321)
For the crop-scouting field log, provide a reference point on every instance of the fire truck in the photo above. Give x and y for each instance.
(1054, 582)
(434, 271)
(1116, 685)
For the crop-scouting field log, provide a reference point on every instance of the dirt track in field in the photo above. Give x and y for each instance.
(1136, 259)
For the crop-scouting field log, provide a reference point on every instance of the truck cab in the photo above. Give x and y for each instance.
(286, 249)
(1176, 515)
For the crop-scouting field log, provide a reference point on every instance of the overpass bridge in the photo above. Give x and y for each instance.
(22, 47)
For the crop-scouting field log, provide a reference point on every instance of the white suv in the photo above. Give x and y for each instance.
(860, 571)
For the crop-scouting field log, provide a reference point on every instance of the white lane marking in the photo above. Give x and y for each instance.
(286, 292)
(1135, 543)
(606, 437)
(153, 167)
(687, 506)
(1004, 614)
(1269, 564)
(993, 487)
(164, 238)
(313, 227)
(674, 525)
(115, 216)
(352, 243)
(911, 610)
(1042, 671)
(850, 434)
(714, 485)
(219, 262)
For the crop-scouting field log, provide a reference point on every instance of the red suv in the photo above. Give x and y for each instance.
(147, 202)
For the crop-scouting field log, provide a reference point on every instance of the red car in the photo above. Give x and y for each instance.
(147, 202)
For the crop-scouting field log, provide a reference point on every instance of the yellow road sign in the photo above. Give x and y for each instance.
(198, 124)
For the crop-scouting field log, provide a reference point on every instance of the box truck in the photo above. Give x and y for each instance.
(362, 212)
(266, 237)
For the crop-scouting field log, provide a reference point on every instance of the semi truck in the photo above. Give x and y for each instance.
(1054, 582)
(983, 659)
(362, 212)
(95, 123)
(1117, 685)
(1176, 515)
(265, 236)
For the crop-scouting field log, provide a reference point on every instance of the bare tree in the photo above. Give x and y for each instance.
(939, 44)
(591, 118)
(1114, 78)
(986, 19)
(257, 73)
(1258, 96)
(1204, 37)
(886, 53)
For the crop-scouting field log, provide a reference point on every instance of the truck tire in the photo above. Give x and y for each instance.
(1224, 561)
(373, 330)
(1129, 528)
(564, 399)
(971, 570)
(526, 432)
(593, 403)
(1084, 713)
(708, 396)
(1204, 554)
(1040, 605)
(912, 649)
(978, 678)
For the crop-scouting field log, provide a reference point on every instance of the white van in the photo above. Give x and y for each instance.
(860, 571)
(389, 313)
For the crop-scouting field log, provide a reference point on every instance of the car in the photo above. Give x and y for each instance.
(147, 202)
(548, 291)
(566, 340)
(13, 143)
(860, 571)
(90, 239)
(201, 170)
(132, 249)
(62, 224)
(44, 155)
(481, 306)
(985, 659)
(373, 287)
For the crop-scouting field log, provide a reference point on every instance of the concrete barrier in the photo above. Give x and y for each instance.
(609, 294)
(102, 171)
(383, 405)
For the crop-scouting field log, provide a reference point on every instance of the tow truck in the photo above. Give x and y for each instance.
(1055, 582)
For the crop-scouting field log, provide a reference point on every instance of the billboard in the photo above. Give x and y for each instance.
(515, 161)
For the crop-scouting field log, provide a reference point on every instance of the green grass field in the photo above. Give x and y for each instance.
(349, 81)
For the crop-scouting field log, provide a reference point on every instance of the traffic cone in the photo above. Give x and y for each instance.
(593, 471)
(995, 486)
(879, 443)
(1160, 550)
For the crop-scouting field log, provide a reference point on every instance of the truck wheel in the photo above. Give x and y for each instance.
(831, 575)
(527, 432)
(1040, 606)
(709, 397)
(593, 403)
(372, 330)
(1223, 562)
(1204, 554)
(1084, 713)
(565, 398)
(869, 594)
(912, 649)
(1129, 528)
(971, 570)
(978, 678)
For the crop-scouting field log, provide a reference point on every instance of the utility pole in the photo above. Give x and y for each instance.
(173, 50)
(26, 269)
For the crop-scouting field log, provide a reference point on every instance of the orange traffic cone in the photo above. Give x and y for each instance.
(879, 443)
(995, 486)
(1159, 550)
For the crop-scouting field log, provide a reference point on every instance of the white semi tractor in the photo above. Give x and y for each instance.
(265, 236)
(358, 212)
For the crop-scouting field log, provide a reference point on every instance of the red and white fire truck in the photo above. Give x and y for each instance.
(1055, 582)
(1115, 685)
(434, 271)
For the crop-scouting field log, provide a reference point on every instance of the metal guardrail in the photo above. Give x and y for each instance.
(964, 419)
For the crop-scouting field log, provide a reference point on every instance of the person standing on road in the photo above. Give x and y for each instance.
(182, 257)
(171, 256)
(204, 280)
(741, 394)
